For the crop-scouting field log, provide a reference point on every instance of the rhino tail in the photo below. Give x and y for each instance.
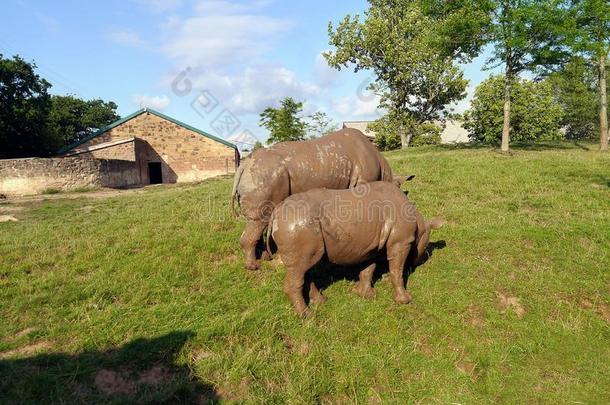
(234, 193)
(268, 234)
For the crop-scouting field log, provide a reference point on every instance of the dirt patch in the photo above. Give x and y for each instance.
(155, 376)
(8, 218)
(87, 208)
(112, 383)
(24, 332)
(424, 347)
(506, 302)
(293, 346)
(604, 311)
(585, 303)
(10, 209)
(475, 316)
(28, 350)
(467, 367)
(202, 354)
(235, 393)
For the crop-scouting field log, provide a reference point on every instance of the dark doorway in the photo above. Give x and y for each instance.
(154, 173)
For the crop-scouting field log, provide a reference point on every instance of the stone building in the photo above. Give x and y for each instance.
(164, 150)
(453, 130)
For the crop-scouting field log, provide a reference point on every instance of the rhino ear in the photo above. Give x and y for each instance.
(399, 180)
(436, 223)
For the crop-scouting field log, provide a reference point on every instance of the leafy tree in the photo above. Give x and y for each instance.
(284, 123)
(588, 34)
(24, 105)
(536, 115)
(523, 37)
(320, 124)
(411, 46)
(71, 119)
(575, 89)
(257, 145)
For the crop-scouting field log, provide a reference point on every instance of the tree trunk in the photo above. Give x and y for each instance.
(405, 138)
(506, 125)
(603, 104)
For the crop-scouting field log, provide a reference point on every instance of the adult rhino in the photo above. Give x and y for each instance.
(339, 160)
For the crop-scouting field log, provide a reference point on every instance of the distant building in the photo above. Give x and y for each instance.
(454, 131)
(164, 149)
(362, 127)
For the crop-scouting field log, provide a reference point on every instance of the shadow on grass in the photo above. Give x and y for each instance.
(142, 371)
(325, 274)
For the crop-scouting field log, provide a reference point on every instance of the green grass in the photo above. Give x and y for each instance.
(514, 309)
(51, 191)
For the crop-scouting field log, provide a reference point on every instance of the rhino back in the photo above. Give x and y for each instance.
(338, 161)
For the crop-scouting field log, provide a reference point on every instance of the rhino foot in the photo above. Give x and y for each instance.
(318, 299)
(403, 298)
(255, 265)
(368, 293)
(306, 313)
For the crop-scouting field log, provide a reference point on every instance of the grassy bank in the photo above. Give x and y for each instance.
(144, 297)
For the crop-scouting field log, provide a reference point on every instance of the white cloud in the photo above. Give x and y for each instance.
(159, 6)
(349, 108)
(221, 32)
(127, 38)
(254, 88)
(155, 102)
(324, 74)
(228, 7)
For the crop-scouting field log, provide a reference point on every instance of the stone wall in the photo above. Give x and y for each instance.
(123, 151)
(34, 175)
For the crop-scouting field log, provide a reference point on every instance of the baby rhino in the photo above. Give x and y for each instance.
(355, 226)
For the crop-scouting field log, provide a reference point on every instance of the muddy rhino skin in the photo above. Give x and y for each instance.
(355, 226)
(340, 160)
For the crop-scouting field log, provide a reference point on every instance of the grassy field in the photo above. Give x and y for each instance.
(143, 297)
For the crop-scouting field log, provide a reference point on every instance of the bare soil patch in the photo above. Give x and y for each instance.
(508, 302)
(28, 350)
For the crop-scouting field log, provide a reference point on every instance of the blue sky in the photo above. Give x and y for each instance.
(214, 64)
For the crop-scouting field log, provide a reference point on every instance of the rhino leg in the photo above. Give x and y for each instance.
(304, 251)
(252, 234)
(397, 255)
(365, 286)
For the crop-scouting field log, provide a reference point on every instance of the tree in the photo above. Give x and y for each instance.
(589, 35)
(284, 123)
(536, 114)
(575, 90)
(320, 124)
(388, 138)
(257, 145)
(411, 47)
(24, 105)
(523, 36)
(71, 119)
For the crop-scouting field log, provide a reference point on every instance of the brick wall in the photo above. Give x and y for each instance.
(185, 155)
(34, 175)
